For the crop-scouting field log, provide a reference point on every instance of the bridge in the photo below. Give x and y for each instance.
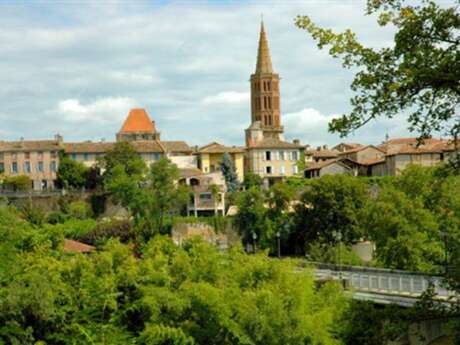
(384, 286)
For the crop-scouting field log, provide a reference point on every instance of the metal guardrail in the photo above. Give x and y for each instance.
(385, 285)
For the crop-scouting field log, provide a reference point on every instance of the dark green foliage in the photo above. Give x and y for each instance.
(21, 183)
(331, 204)
(122, 157)
(163, 295)
(102, 232)
(365, 323)
(229, 171)
(252, 180)
(71, 174)
(98, 203)
(418, 74)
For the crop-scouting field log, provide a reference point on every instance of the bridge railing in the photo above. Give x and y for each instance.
(385, 281)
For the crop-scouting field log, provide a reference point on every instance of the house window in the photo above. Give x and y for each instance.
(53, 154)
(74, 156)
(295, 155)
(53, 166)
(1, 155)
(27, 167)
(281, 155)
(295, 169)
(40, 167)
(282, 170)
(26, 155)
(268, 156)
(2, 167)
(85, 156)
(14, 167)
(268, 170)
(205, 197)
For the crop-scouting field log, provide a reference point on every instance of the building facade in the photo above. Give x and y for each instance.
(38, 160)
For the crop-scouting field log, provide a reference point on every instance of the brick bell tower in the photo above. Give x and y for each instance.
(265, 96)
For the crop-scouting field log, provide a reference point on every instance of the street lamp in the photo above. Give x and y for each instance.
(254, 238)
(278, 235)
(338, 238)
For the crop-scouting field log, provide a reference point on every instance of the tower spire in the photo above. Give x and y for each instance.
(264, 61)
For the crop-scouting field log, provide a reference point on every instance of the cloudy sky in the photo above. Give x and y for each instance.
(77, 67)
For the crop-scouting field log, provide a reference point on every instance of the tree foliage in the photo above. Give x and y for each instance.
(71, 174)
(163, 295)
(417, 75)
(229, 171)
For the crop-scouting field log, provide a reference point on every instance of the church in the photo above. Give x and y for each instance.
(267, 153)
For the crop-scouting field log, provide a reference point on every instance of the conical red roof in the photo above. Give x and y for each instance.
(138, 121)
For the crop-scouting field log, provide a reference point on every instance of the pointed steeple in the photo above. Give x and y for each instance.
(264, 61)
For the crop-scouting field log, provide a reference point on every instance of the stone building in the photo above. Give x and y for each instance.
(210, 157)
(142, 134)
(267, 154)
(37, 159)
(329, 167)
(207, 192)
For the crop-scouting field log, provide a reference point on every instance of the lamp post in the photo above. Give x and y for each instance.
(338, 238)
(278, 236)
(254, 238)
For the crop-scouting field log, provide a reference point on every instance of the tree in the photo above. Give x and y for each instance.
(332, 203)
(168, 196)
(252, 180)
(229, 171)
(125, 156)
(251, 218)
(71, 174)
(418, 74)
(21, 183)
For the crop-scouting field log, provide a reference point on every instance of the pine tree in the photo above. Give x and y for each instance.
(229, 171)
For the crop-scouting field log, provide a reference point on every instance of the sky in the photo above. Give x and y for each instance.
(77, 67)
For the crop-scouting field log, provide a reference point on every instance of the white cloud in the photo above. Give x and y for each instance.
(227, 97)
(100, 111)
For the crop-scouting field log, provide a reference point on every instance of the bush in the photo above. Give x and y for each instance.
(57, 217)
(18, 183)
(121, 229)
(33, 214)
(79, 210)
(330, 254)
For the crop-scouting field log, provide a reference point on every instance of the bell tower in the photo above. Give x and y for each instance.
(265, 95)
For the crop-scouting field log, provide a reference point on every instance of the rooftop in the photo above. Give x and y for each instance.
(138, 121)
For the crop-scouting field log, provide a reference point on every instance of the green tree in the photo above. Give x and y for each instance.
(228, 169)
(18, 183)
(124, 157)
(252, 180)
(418, 74)
(332, 203)
(251, 219)
(71, 174)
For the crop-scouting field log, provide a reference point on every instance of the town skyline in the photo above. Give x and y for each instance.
(195, 87)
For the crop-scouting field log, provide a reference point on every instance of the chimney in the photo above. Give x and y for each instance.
(296, 141)
(324, 147)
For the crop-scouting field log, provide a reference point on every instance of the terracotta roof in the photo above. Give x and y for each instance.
(30, 145)
(88, 147)
(190, 172)
(273, 143)
(176, 146)
(361, 148)
(138, 121)
(219, 148)
(71, 246)
(399, 141)
(350, 145)
(319, 165)
(438, 147)
(372, 161)
(145, 146)
(324, 153)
